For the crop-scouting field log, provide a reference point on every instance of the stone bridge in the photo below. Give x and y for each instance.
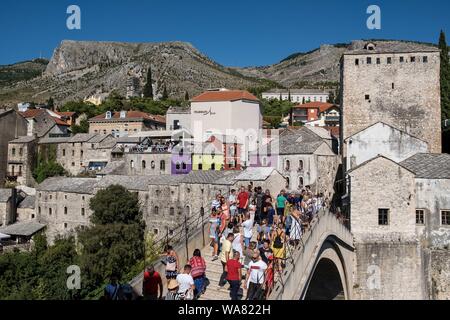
(322, 268)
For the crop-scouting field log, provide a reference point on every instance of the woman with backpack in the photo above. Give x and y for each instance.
(278, 245)
(171, 262)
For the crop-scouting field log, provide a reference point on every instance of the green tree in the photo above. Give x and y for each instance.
(115, 242)
(50, 103)
(115, 204)
(445, 77)
(148, 89)
(83, 127)
(47, 169)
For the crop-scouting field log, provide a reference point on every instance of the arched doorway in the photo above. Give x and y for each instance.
(326, 283)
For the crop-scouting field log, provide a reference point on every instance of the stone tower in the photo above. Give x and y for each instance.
(397, 83)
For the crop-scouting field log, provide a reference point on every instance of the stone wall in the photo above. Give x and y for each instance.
(433, 196)
(147, 163)
(440, 274)
(382, 184)
(405, 95)
(389, 271)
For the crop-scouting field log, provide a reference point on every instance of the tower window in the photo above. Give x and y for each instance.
(383, 217)
(445, 216)
(356, 62)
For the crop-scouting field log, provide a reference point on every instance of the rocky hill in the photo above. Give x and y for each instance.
(82, 69)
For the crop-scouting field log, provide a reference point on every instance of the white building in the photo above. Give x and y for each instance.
(298, 95)
(178, 118)
(230, 112)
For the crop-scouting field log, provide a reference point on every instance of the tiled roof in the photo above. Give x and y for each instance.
(23, 139)
(429, 165)
(66, 184)
(82, 137)
(129, 182)
(358, 47)
(32, 113)
(227, 95)
(24, 229)
(130, 115)
(28, 202)
(60, 122)
(322, 106)
(211, 177)
(255, 174)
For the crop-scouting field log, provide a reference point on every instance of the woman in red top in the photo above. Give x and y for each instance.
(269, 277)
(198, 265)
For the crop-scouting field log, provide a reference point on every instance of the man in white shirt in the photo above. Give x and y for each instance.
(248, 229)
(186, 283)
(232, 203)
(255, 277)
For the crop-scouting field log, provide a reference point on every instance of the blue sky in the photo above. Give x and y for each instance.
(231, 32)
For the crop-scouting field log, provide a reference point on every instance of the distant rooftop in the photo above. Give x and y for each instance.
(225, 95)
(23, 139)
(128, 116)
(28, 202)
(66, 184)
(297, 91)
(24, 229)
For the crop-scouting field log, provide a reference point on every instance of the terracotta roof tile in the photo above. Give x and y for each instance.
(229, 95)
(132, 115)
(322, 106)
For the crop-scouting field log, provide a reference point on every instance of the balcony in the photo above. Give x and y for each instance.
(332, 118)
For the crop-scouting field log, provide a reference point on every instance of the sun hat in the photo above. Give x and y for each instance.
(172, 284)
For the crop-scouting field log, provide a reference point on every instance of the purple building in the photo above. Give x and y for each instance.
(181, 160)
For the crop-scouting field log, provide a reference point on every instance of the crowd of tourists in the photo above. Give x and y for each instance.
(252, 233)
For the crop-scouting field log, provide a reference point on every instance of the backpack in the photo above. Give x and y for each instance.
(278, 243)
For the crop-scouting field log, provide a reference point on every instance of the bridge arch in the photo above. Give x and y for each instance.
(328, 279)
(327, 253)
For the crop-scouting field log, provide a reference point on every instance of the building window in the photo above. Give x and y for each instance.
(171, 233)
(49, 211)
(200, 166)
(389, 60)
(143, 164)
(73, 164)
(413, 59)
(51, 197)
(172, 211)
(183, 166)
(378, 61)
(402, 59)
(65, 225)
(82, 212)
(32, 216)
(13, 151)
(65, 210)
(213, 166)
(383, 217)
(369, 60)
(73, 153)
(300, 165)
(287, 165)
(156, 210)
(288, 183)
(20, 151)
(425, 59)
(64, 152)
(393, 86)
(152, 164)
(155, 231)
(177, 166)
(300, 182)
(445, 217)
(420, 217)
(264, 161)
(162, 165)
(367, 97)
(356, 62)
(132, 164)
(39, 210)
